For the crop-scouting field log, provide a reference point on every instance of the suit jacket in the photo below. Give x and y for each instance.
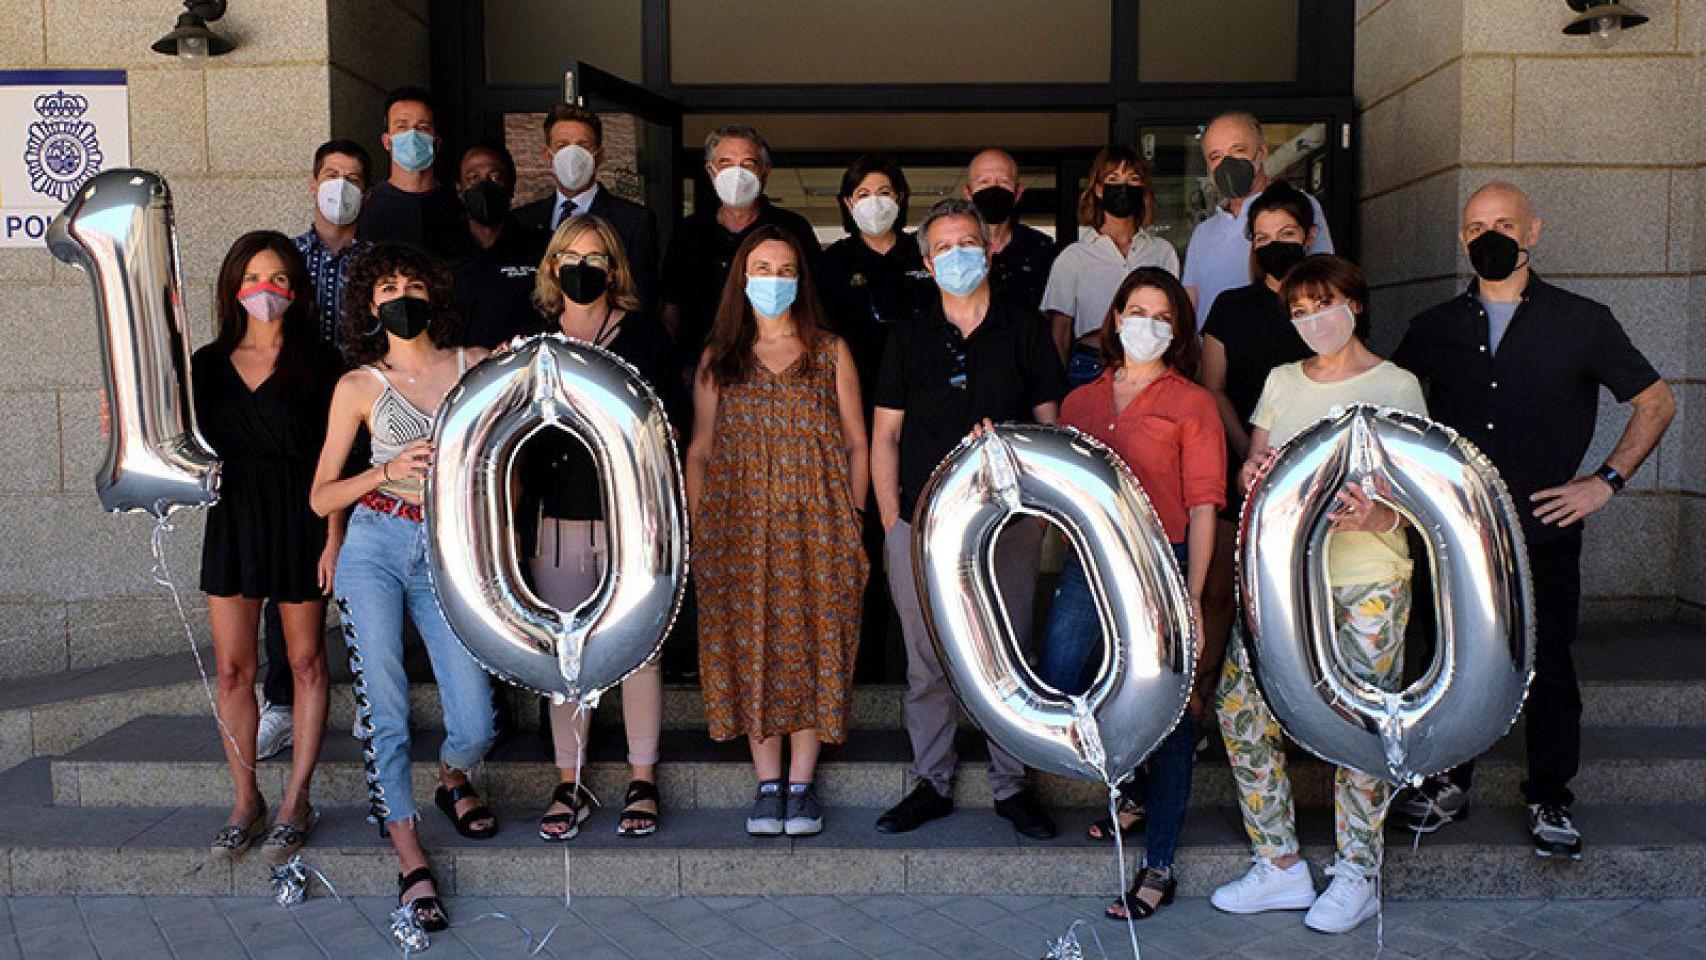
(636, 225)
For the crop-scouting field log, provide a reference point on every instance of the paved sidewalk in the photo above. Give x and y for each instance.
(830, 928)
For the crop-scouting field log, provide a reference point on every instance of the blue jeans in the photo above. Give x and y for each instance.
(1070, 655)
(382, 570)
(1083, 364)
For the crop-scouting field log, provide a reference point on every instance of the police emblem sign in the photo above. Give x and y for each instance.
(60, 127)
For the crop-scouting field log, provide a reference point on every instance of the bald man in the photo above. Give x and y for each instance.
(1020, 256)
(1515, 364)
(1218, 256)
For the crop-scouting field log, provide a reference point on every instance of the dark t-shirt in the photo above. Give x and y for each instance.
(1010, 367)
(867, 293)
(430, 220)
(1020, 271)
(1531, 404)
(494, 285)
(697, 266)
(1250, 323)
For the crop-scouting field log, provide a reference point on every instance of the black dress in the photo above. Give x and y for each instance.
(262, 540)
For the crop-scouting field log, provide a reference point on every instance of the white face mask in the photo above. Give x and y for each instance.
(1327, 332)
(339, 201)
(574, 166)
(875, 214)
(1144, 338)
(736, 186)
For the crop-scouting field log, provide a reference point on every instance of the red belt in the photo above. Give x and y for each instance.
(385, 503)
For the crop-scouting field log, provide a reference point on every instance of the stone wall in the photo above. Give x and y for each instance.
(234, 139)
(1608, 144)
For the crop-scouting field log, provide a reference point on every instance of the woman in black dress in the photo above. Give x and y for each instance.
(262, 391)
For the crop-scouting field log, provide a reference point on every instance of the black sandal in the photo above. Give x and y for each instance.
(1102, 831)
(580, 802)
(446, 799)
(639, 791)
(1137, 907)
(421, 906)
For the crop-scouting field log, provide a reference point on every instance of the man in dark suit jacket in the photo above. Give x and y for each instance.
(574, 146)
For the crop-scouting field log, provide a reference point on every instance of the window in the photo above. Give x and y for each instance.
(531, 41)
(1217, 41)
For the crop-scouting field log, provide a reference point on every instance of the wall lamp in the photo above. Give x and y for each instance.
(191, 41)
(1603, 20)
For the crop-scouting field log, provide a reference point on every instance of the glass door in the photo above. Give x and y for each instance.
(641, 130)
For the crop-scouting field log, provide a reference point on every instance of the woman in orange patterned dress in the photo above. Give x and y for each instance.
(776, 481)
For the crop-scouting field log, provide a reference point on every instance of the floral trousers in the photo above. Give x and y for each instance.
(1370, 619)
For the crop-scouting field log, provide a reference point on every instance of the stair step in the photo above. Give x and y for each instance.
(167, 761)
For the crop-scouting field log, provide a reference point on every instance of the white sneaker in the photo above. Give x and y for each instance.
(1267, 887)
(274, 733)
(1348, 901)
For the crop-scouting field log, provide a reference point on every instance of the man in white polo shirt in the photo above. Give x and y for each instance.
(1218, 257)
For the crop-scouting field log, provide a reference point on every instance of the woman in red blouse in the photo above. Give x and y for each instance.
(1167, 429)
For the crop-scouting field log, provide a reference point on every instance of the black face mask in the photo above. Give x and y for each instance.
(1279, 256)
(582, 282)
(996, 204)
(1234, 177)
(405, 317)
(487, 202)
(1121, 199)
(1494, 256)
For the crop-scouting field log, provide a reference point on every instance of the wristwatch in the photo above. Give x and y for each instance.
(1609, 474)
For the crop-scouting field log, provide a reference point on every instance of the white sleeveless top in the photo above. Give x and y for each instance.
(394, 423)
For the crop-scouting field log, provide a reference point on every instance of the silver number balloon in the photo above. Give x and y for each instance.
(1148, 634)
(118, 229)
(544, 382)
(1474, 688)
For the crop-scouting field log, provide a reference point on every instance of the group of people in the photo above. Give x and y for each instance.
(815, 390)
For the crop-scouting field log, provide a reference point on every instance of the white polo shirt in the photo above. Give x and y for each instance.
(1082, 282)
(1218, 256)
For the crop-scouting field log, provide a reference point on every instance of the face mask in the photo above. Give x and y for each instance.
(487, 202)
(736, 186)
(1144, 338)
(412, 149)
(875, 215)
(574, 166)
(995, 203)
(1327, 332)
(1235, 177)
(1121, 199)
(960, 270)
(1278, 256)
(405, 317)
(582, 282)
(1494, 256)
(339, 201)
(265, 301)
(771, 296)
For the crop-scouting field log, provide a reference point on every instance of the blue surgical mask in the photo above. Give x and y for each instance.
(412, 150)
(960, 270)
(771, 296)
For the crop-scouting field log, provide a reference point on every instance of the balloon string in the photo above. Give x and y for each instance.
(1119, 857)
(1379, 883)
(162, 574)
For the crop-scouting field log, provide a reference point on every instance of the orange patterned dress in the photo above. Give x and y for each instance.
(777, 557)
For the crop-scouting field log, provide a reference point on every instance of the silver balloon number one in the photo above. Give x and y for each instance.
(1148, 644)
(118, 229)
(1474, 687)
(546, 382)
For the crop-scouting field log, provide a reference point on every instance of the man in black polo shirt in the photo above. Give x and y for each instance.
(1021, 255)
(737, 159)
(497, 264)
(971, 354)
(1515, 365)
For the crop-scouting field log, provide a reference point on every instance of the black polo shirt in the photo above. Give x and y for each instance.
(1010, 367)
(1531, 405)
(697, 265)
(431, 220)
(867, 293)
(494, 285)
(1020, 271)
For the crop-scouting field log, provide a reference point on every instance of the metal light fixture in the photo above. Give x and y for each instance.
(191, 41)
(1603, 20)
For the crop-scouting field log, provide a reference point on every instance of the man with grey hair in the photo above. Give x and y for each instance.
(972, 354)
(737, 163)
(1218, 256)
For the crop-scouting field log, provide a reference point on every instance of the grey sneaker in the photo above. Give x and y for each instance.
(1434, 804)
(1555, 833)
(274, 733)
(805, 814)
(768, 810)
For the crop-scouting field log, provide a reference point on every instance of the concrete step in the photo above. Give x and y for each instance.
(1658, 850)
(165, 761)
